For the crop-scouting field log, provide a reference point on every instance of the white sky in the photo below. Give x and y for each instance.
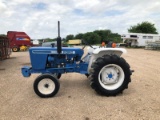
(38, 18)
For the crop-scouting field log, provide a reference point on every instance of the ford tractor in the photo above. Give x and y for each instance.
(108, 72)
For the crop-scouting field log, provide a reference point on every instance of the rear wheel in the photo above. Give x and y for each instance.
(15, 49)
(111, 75)
(46, 85)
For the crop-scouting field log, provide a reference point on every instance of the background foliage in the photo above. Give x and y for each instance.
(144, 27)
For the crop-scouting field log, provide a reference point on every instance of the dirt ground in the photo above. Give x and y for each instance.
(75, 99)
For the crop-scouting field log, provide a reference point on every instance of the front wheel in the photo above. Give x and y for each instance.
(46, 85)
(111, 75)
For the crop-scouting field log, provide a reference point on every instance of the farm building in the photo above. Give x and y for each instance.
(139, 39)
(35, 42)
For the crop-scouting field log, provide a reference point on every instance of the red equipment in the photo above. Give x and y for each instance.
(18, 39)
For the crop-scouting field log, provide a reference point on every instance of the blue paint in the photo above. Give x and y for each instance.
(47, 60)
(110, 75)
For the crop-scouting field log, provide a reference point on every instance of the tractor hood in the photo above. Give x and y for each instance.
(39, 55)
(53, 50)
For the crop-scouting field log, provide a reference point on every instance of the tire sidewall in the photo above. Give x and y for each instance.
(15, 49)
(121, 63)
(125, 77)
(41, 77)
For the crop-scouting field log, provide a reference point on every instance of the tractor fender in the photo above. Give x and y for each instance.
(110, 50)
(99, 52)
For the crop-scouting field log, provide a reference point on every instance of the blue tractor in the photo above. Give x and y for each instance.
(108, 72)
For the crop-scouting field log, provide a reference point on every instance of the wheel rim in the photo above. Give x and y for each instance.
(111, 77)
(46, 86)
(14, 49)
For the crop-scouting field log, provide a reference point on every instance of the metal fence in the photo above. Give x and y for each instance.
(5, 50)
(153, 45)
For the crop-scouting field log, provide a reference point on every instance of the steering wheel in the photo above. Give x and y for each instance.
(86, 43)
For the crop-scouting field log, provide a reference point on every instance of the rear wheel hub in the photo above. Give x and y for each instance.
(109, 75)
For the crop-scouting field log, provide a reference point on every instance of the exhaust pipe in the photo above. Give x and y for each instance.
(59, 48)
